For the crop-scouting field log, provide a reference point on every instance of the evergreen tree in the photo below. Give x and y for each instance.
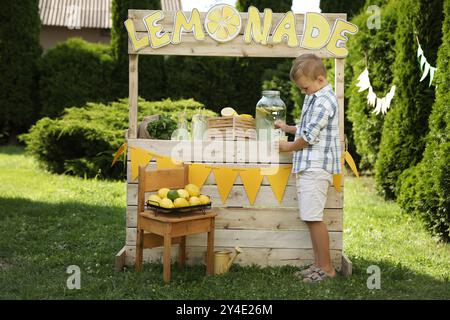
(406, 124)
(19, 53)
(374, 49)
(351, 7)
(425, 188)
(151, 68)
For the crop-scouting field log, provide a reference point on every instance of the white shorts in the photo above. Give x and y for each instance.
(312, 190)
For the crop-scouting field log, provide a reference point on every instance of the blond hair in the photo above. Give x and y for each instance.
(308, 65)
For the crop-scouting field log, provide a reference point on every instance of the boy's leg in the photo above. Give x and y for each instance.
(319, 236)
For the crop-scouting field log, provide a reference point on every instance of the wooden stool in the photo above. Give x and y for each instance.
(165, 230)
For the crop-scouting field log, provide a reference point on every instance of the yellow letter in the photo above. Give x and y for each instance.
(181, 24)
(137, 43)
(157, 38)
(286, 28)
(316, 32)
(341, 27)
(253, 29)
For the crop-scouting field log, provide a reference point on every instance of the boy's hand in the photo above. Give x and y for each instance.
(280, 124)
(283, 146)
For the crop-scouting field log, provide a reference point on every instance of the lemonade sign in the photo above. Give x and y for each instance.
(223, 23)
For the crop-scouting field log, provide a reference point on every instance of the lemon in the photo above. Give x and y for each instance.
(193, 190)
(247, 116)
(223, 23)
(183, 193)
(228, 112)
(180, 202)
(166, 203)
(154, 199)
(162, 193)
(194, 201)
(204, 199)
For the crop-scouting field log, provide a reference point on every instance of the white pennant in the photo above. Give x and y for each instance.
(381, 105)
(425, 67)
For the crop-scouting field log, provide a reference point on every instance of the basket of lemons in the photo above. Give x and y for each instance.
(178, 201)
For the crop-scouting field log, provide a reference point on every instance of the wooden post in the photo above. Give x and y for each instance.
(133, 95)
(339, 89)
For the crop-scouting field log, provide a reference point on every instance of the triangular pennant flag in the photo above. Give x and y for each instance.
(167, 163)
(198, 173)
(351, 163)
(337, 182)
(432, 72)
(225, 178)
(118, 153)
(251, 178)
(423, 62)
(139, 157)
(425, 72)
(419, 51)
(279, 181)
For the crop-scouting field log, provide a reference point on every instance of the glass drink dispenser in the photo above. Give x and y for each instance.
(269, 109)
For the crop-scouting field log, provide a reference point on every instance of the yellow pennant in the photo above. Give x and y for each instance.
(119, 152)
(225, 178)
(337, 182)
(351, 163)
(279, 181)
(167, 163)
(139, 157)
(251, 178)
(198, 173)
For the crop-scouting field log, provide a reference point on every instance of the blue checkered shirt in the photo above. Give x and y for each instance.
(319, 126)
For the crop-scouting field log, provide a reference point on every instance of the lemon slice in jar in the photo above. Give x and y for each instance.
(223, 23)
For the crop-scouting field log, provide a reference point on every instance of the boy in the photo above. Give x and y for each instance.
(316, 157)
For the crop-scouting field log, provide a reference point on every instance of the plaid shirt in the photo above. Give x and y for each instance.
(319, 126)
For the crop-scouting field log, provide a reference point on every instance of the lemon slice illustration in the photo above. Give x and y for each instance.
(223, 23)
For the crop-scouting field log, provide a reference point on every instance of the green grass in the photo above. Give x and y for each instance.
(48, 222)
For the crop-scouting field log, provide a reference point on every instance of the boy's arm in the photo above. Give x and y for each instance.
(296, 145)
(284, 127)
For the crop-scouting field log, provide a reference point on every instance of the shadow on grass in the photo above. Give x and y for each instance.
(12, 149)
(39, 240)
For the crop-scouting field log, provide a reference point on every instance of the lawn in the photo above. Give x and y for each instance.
(49, 222)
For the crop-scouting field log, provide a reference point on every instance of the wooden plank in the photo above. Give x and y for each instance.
(347, 266)
(287, 239)
(261, 218)
(238, 197)
(133, 95)
(234, 48)
(120, 259)
(191, 227)
(175, 178)
(169, 17)
(213, 151)
(260, 256)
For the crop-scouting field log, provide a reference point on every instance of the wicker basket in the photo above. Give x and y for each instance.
(231, 128)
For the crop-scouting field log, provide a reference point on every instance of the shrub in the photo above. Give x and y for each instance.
(73, 73)
(83, 141)
(405, 126)
(19, 52)
(377, 46)
(424, 189)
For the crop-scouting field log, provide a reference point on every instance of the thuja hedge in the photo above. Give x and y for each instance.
(374, 49)
(82, 141)
(425, 188)
(406, 124)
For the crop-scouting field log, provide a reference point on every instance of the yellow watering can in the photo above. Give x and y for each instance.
(223, 260)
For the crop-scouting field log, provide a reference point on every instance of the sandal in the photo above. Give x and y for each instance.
(306, 271)
(316, 276)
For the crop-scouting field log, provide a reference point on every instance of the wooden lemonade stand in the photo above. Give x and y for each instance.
(269, 231)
